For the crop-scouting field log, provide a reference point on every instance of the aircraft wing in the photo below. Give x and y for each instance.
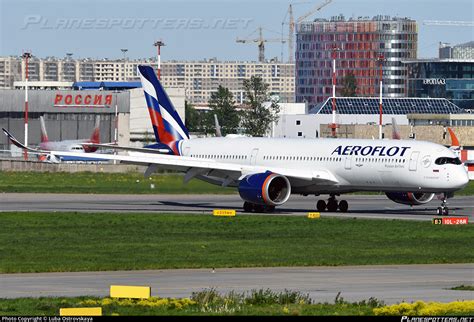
(196, 166)
(229, 172)
(127, 148)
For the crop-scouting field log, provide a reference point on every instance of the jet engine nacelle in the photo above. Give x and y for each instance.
(410, 198)
(267, 188)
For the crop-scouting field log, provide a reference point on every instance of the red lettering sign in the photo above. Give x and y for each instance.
(455, 221)
(83, 101)
(98, 100)
(58, 99)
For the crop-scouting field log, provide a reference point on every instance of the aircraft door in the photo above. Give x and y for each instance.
(253, 156)
(413, 160)
(186, 151)
(348, 162)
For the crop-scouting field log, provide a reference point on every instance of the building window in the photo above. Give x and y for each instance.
(298, 122)
(300, 133)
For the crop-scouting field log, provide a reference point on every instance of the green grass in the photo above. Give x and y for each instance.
(88, 182)
(120, 183)
(463, 288)
(217, 306)
(54, 242)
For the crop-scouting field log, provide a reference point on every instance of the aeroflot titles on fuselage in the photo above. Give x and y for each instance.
(381, 151)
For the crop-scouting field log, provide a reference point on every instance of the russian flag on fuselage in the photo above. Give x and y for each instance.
(167, 125)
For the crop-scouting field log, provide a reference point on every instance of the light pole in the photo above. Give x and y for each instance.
(380, 60)
(158, 44)
(124, 52)
(26, 56)
(333, 126)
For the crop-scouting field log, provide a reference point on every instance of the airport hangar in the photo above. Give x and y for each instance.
(70, 109)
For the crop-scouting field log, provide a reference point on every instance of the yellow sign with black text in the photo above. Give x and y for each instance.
(224, 212)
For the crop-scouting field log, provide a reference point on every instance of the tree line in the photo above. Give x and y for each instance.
(254, 117)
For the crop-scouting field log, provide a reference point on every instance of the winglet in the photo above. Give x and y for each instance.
(16, 142)
(218, 127)
(454, 139)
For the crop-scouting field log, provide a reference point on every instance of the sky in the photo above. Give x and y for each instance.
(193, 30)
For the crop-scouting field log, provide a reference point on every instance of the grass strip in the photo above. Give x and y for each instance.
(63, 242)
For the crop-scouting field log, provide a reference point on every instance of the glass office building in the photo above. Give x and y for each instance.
(450, 78)
(360, 42)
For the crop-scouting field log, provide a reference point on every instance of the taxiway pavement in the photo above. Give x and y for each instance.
(390, 283)
(361, 206)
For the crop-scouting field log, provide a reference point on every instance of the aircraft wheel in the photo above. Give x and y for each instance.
(258, 208)
(446, 211)
(321, 205)
(248, 207)
(343, 206)
(332, 205)
(270, 208)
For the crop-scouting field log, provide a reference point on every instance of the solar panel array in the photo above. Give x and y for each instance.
(370, 105)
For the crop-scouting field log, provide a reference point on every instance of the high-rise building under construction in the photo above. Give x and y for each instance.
(358, 44)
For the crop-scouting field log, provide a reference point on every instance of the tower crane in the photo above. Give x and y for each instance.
(291, 24)
(312, 11)
(260, 42)
(291, 31)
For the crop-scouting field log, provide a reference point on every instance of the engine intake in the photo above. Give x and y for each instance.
(410, 198)
(267, 188)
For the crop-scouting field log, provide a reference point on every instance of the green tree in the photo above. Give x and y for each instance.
(222, 104)
(350, 86)
(258, 118)
(193, 118)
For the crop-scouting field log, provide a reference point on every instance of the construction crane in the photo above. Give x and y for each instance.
(291, 31)
(291, 24)
(448, 23)
(260, 41)
(311, 12)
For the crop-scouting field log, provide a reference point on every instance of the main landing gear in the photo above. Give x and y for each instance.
(332, 205)
(443, 210)
(251, 207)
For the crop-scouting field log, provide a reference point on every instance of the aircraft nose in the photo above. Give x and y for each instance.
(463, 178)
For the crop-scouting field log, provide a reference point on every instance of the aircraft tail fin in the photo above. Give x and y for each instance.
(44, 134)
(454, 139)
(167, 125)
(95, 137)
(395, 130)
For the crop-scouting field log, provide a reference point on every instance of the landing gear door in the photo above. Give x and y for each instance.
(253, 156)
(413, 160)
(348, 162)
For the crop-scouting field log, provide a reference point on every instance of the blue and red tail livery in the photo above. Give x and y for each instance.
(167, 125)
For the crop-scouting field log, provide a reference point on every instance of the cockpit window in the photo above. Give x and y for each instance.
(446, 160)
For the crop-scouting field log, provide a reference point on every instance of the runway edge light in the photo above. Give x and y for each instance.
(314, 215)
(133, 292)
(224, 212)
(81, 311)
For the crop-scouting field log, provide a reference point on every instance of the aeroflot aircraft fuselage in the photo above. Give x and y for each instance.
(367, 165)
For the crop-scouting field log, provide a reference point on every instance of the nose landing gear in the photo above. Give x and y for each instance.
(444, 210)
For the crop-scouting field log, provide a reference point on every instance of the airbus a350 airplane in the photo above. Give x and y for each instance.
(266, 171)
